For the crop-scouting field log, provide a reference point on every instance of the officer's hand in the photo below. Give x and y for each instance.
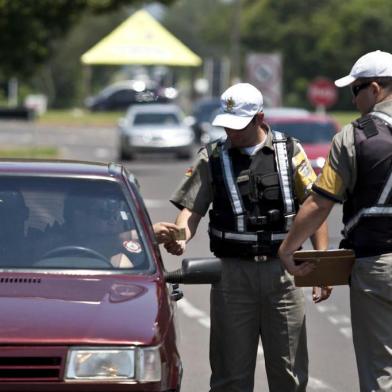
(296, 270)
(176, 248)
(164, 231)
(321, 293)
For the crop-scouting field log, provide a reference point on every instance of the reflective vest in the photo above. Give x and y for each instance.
(253, 200)
(367, 213)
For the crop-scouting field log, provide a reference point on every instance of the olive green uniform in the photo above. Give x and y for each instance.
(253, 299)
(371, 280)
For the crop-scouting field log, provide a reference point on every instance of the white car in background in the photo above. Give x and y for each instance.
(150, 128)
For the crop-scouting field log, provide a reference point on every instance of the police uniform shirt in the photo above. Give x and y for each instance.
(195, 191)
(339, 174)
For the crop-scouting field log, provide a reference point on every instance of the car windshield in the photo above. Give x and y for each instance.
(306, 132)
(68, 224)
(156, 119)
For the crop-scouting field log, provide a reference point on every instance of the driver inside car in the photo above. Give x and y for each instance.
(97, 227)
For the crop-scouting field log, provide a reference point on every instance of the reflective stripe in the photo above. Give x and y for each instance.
(386, 191)
(251, 237)
(367, 212)
(232, 190)
(282, 163)
(383, 117)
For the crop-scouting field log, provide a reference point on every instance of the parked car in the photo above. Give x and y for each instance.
(314, 131)
(202, 113)
(120, 95)
(155, 128)
(86, 304)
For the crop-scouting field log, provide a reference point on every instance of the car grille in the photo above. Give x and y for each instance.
(31, 363)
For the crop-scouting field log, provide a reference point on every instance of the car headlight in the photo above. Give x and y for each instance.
(113, 363)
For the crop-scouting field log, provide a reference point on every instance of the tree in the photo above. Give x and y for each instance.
(29, 29)
(316, 38)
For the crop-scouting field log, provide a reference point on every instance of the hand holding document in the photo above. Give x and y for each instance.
(332, 267)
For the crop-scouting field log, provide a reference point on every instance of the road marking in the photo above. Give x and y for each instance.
(156, 203)
(332, 314)
(339, 319)
(347, 332)
(319, 385)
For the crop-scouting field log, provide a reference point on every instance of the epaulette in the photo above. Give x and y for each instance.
(213, 148)
(367, 125)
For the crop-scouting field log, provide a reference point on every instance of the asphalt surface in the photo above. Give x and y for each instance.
(332, 363)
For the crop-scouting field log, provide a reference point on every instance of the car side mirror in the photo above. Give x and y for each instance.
(205, 270)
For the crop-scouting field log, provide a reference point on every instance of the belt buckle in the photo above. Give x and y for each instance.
(260, 258)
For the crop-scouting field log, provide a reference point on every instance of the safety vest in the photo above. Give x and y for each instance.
(367, 212)
(253, 200)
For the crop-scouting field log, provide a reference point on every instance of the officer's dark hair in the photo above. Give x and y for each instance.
(384, 81)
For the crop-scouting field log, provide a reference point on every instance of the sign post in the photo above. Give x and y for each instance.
(322, 94)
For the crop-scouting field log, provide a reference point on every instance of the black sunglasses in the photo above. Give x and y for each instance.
(357, 88)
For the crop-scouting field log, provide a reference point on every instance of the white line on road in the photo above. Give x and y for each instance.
(331, 312)
(339, 319)
(156, 203)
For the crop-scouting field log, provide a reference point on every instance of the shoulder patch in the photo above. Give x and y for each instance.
(189, 171)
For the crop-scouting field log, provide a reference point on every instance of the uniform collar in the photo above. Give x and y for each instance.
(268, 141)
(384, 106)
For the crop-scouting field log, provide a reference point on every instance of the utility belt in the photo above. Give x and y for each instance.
(245, 244)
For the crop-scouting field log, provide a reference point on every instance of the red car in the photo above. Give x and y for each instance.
(86, 304)
(314, 131)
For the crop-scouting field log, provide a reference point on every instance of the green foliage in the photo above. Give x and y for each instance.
(29, 29)
(316, 38)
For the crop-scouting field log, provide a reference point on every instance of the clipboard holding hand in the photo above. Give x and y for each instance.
(332, 267)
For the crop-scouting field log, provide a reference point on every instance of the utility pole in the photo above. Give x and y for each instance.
(235, 41)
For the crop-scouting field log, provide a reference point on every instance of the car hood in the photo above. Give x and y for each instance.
(65, 309)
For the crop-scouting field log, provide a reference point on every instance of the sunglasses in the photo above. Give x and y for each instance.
(357, 88)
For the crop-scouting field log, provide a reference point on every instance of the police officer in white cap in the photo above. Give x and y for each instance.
(358, 173)
(255, 179)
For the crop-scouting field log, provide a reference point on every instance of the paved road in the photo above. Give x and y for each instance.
(332, 366)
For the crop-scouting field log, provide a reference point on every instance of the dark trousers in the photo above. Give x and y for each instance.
(257, 300)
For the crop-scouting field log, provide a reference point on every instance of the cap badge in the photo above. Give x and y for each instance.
(230, 105)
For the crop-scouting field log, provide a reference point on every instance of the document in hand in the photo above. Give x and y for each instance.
(333, 267)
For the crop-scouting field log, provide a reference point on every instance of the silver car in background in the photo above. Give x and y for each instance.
(149, 128)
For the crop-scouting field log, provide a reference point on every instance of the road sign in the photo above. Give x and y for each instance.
(264, 70)
(322, 93)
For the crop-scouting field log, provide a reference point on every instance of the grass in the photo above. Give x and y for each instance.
(79, 117)
(344, 118)
(33, 152)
